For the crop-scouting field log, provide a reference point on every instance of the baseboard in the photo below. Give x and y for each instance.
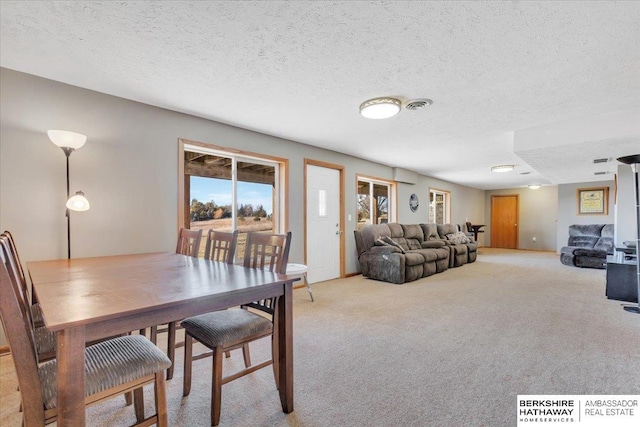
(4, 350)
(352, 274)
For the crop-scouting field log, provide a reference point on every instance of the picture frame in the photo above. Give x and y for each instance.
(593, 201)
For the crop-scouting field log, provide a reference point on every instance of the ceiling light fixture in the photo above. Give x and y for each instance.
(380, 108)
(533, 186)
(502, 168)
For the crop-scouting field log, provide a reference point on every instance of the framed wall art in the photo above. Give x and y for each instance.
(593, 201)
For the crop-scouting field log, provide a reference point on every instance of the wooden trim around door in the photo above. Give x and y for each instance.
(340, 168)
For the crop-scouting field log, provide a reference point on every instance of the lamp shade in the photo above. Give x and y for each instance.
(66, 139)
(78, 202)
(380, 108)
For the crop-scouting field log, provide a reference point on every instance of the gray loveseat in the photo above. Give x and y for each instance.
(399, 253)
(588, 245)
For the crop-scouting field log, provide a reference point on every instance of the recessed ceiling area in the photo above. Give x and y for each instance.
(300, 70)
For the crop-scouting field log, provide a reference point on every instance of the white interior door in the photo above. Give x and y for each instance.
(323, 223)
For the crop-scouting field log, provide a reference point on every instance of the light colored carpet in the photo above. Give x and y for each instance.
(451, 349)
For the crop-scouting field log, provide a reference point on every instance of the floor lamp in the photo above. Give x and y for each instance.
(69, 142)
(634, 162)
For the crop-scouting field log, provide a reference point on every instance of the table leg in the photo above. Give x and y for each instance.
(70, 355)
(285, 348)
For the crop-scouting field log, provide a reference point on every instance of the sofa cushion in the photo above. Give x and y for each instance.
(413, 231)
(444, 229)
(433, 244)
(590, 252)
(605, 242)
(458, 237)
(430, 231)
(413, 258)
(583, 241)
(396, 230)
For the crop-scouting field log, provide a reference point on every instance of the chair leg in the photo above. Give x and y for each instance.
(161, 400)
(188, 360)
(153, 335)
(306, 282)
(227, 354)
(171, 348)
(246, 355)
(138, 403)
(216, 386)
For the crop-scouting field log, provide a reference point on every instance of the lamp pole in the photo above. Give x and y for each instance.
(67, 153)
(70, 141)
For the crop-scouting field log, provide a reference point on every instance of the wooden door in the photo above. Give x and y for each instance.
(504, 222)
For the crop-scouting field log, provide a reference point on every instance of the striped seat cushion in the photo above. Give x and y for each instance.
(45, 340)
(109, 364)
(36, 314)
(226, 326)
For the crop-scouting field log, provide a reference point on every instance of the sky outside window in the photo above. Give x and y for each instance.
(219, 190)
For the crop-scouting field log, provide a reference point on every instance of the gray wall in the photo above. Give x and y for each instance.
(538, 210)
(128, 170)
(568, 209)
(466, 203)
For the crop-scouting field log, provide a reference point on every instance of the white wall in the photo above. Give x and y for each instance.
(568, 209)
(625, 208)
(538, 211)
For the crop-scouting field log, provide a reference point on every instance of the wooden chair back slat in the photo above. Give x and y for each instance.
(189, 242)
(12, 264)
(269, 252)
(20, 337)
(221, 246)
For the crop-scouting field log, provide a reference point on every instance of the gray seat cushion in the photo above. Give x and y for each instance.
(226, 326)
(36, 314)
(45, 340)
(107, 365)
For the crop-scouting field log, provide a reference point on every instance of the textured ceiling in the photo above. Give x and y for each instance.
(299, 70)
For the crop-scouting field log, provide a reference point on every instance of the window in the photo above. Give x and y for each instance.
(374, 204)
(229, 191)
(439, 207)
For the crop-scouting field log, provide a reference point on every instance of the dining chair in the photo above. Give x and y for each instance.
(188, 244)
(44, 341)
(226, 330)
(221, 246)
(112, 367)
(36, 313)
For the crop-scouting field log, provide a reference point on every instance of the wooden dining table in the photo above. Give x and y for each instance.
(85, 299)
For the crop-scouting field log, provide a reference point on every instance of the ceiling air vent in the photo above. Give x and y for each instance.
(525, 173)
(600, 173)
(417, 104)
(601, 160)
